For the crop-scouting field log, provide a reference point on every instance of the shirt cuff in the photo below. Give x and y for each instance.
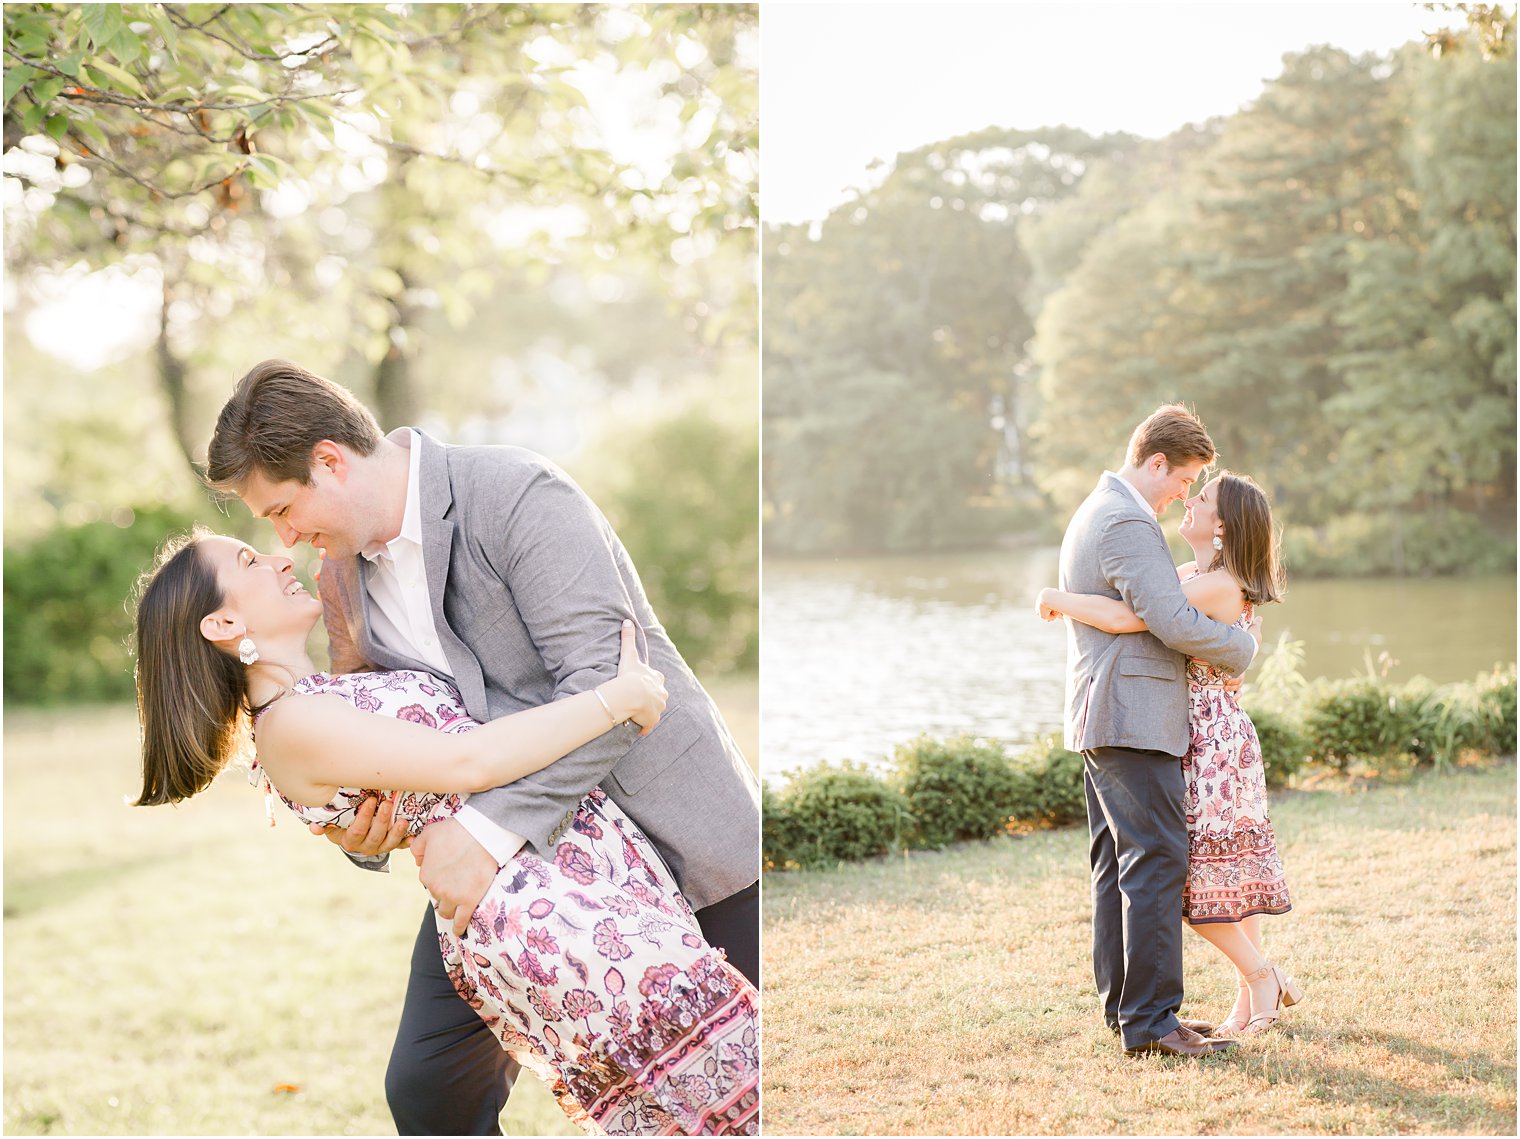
(500, 843)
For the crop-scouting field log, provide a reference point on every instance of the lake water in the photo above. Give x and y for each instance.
(861, 654)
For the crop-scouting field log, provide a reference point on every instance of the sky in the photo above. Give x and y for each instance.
(846, 84)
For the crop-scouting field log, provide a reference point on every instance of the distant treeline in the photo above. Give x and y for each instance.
(1327, 275)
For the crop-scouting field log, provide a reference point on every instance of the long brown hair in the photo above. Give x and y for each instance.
(1252, 543)
(192, 699)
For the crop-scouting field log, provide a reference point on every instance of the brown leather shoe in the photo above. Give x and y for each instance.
(1182, 1042)
(1201, 1027)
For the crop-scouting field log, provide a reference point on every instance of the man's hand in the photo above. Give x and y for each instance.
(375, 829)
(455, 868)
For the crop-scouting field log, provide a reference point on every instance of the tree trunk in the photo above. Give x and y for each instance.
(395, 393)
(171, 378)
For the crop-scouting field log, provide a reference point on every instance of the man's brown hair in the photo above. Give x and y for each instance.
(1174, 431)
(278, 412)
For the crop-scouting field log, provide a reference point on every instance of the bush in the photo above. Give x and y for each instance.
(780, 837)
(955, 789)
(1048, 787)
(1357, 544)
(843, 812)
(1363, 720)
(68, 623)
(1496, 708)
(1284, 749)
(1446, 721)
(684, 502)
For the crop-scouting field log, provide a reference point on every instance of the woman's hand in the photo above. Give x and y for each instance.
(638, 693)
(1047, 611)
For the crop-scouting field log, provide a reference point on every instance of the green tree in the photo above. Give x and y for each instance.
(916, 300)
(330, 171)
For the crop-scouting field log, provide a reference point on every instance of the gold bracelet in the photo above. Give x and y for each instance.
(605, 705)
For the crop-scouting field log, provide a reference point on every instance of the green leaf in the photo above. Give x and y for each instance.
(45, 89)
(164, 26)
(109, 75)
(242, 91)
(386, 282)
(87, 126)
(103, 23)
(31, 118)
(126, 46)
(37, 46)
(372, 55)
(266, 170)
(16, 78)
(317, 119)
(69, 64)
(57, 126)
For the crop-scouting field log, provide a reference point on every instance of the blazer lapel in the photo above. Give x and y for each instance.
(437, 497)
(1115, 487)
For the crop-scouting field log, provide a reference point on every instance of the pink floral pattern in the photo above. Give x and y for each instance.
(1234, 869)
(589, 966)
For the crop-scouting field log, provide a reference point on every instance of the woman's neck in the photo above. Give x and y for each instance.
(275, 672)
(1203, 554)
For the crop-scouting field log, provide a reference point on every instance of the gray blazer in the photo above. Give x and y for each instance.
(1130, 689)
(530, 586)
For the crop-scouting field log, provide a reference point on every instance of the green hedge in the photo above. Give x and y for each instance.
(1284, 747)
(955, 789)
(68, 624)
(834, 813)
(941, 791)
(1048, 790)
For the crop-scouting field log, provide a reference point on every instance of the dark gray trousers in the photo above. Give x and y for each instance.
(448, 1074)
(1138, 850)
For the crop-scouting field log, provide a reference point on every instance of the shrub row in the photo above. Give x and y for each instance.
(936, 792)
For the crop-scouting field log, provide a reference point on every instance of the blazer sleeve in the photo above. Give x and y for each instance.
(1135, 559)
(554, 554)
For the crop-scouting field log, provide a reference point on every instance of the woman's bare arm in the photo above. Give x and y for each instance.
(1213, 594)
(312, 745)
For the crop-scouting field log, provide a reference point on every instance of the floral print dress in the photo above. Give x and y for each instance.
(1233, 866)
(589, 966)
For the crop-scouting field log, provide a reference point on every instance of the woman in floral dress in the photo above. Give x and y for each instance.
(1234, 871)
(587, 965)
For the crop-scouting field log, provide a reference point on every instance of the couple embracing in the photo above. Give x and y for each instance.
(502, 700)
(1176, 791)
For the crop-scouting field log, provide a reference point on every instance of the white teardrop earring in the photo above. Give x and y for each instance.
(1218, 542)
(248, 652)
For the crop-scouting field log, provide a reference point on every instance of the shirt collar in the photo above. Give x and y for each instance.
(1134, 490)
(411, 518)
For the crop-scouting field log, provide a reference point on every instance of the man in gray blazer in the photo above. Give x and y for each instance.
(488, 565)
(1127, 713)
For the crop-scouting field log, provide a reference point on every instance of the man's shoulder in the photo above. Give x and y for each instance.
(1107, 504)
(496, 469)
(468, 456)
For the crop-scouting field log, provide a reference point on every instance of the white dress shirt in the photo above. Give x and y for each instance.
(1129, 486)
(401, 619)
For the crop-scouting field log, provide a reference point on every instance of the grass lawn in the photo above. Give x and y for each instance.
(951, 992)
(173, 971)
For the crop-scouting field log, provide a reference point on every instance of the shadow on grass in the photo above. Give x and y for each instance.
(1320, 1077)
(31, 895)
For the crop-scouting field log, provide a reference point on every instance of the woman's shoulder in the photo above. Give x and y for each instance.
(1219, 580)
